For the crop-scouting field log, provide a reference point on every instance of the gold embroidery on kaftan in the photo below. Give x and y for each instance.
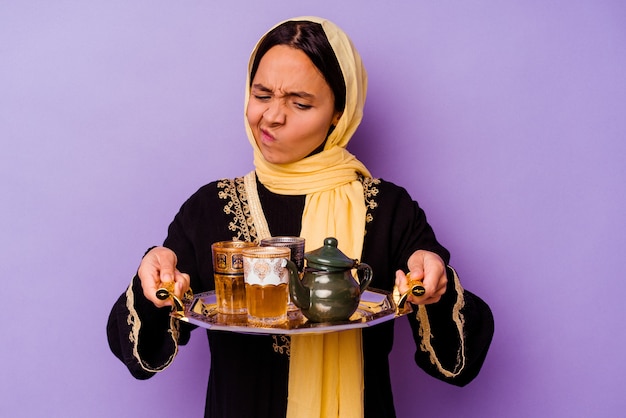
(282, 344)
(135, 323)
(234, 192)
(370, 191)
(256, 216)
(457, 317)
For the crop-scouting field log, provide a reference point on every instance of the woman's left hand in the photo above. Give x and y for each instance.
(428, 268)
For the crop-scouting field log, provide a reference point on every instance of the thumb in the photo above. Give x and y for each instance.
(166, 273)
(416, 272)
(166, 265)
(416, 265)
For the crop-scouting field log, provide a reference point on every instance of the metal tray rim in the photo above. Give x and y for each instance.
(365, 316)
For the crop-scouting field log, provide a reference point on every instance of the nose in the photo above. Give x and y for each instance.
(275, 113)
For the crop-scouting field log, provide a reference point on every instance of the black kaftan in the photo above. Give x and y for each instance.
(146, 339)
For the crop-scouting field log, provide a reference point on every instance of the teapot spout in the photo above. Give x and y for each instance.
(300, 294)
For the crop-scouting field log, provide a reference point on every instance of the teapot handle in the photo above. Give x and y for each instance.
(364, 271)
(299, 294)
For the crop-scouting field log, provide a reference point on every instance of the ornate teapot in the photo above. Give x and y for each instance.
(327, 291)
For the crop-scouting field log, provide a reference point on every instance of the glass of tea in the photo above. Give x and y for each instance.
(296, 245)
(266, 274)
(230, 290)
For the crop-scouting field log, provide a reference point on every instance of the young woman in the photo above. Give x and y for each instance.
(305, 98)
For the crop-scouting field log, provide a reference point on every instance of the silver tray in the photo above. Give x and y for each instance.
(376, 306)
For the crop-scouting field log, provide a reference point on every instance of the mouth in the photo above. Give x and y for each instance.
(266, 137)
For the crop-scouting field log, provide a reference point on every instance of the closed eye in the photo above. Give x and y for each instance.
(301, 99)
(260, 92)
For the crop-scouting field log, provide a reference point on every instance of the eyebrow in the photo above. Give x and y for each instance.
(301, 94)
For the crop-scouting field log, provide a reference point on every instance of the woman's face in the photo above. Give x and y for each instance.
(291, 107)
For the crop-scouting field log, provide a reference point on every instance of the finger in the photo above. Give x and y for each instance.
(402, 281)
(421, 291)
(182, 283)
(167, 271)
(164, 262)
(435, 296)
(443, 285)
(150, 282)
(418, 300)
(416, 272)
(435, 274)
(434, 266)
(156, 270)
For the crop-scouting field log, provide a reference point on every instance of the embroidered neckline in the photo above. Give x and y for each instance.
(234, 192)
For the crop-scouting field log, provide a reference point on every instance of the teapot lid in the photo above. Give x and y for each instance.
(329, 257)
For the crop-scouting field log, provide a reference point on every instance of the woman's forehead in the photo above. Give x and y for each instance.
(287, 68)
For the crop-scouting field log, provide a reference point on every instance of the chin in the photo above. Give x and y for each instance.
(271, 158)
(277, 160)
(280, 158)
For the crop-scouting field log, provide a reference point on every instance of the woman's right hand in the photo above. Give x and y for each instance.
(158, 267)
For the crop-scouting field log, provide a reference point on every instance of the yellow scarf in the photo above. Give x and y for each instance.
(326, 370)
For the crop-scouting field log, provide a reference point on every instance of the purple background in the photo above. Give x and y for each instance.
(505, 120)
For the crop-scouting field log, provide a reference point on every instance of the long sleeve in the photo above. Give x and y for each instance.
(145, 338)
(453, 335)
